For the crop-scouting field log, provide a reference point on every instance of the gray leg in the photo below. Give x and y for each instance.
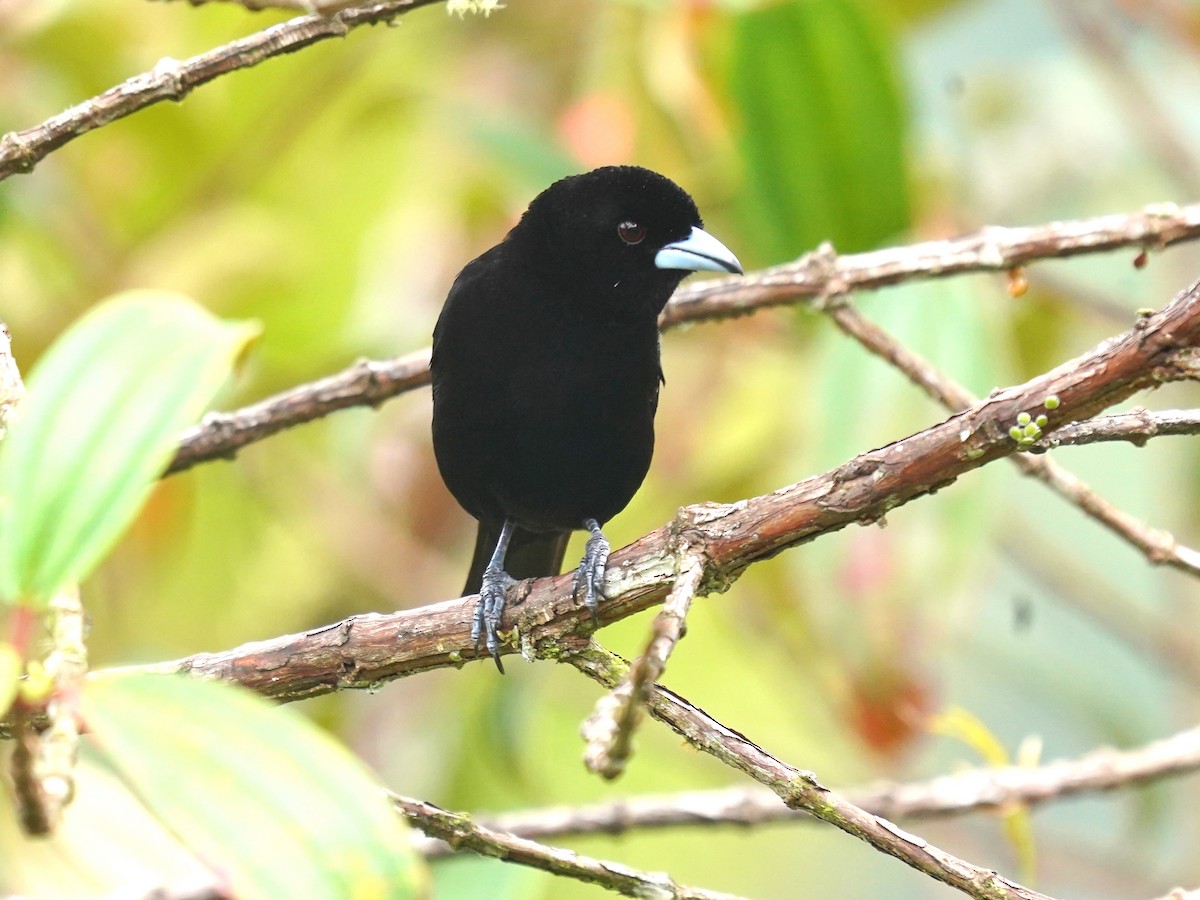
(490, 609)
(590, 576)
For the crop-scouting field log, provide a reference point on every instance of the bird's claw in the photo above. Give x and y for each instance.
(485, 626)
(589, 577)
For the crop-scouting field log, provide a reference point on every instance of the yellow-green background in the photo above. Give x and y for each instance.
(334, 193)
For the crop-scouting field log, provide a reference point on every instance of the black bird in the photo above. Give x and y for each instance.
(546, 373)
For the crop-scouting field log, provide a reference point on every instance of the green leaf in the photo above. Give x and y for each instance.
(822, 126)
(104, 408)
(256, 790)
(107, 845)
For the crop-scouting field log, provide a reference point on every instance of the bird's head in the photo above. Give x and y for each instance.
(623, 231)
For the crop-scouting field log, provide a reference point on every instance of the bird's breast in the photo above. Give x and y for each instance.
(609, 370)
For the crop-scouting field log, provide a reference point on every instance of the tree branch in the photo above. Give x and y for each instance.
(12, 387)
(948, 795)
(801, 790)
(366, 383)
(816, 275)
(1135, 427)
(1160, 547)
(609, 730)
(317, 7)
(173, 79)
(823, 273)
(461, 833)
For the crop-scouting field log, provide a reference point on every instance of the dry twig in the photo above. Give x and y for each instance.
(173, 79)
(1135, 427)
(1158, 546)
(801, 790)
(946, 795)
(460, 832)
(609, 730)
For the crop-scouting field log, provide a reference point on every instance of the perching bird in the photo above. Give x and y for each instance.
(546, 373)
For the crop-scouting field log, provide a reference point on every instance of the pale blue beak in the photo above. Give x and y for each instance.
(698, 251)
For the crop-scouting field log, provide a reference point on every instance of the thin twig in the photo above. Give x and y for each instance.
(67, 664)
(462, 834)
(174, 79)
(801, 790)
(316, 7)
(1135, 427)
(824, 273)
(366, 383)
(1158, 546)
(948, 795)
(812, 277)
(12, 387)
(608, 732)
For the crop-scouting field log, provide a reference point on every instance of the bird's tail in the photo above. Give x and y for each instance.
(530, 554)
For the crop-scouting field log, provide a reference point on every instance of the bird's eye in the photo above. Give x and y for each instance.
(631, 232)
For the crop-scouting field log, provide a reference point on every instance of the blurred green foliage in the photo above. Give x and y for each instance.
(242, 793)
(98, 424)
(334, 193)
(820, 126)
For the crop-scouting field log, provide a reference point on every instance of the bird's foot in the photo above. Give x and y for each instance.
(589, 577)
(485, 627)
